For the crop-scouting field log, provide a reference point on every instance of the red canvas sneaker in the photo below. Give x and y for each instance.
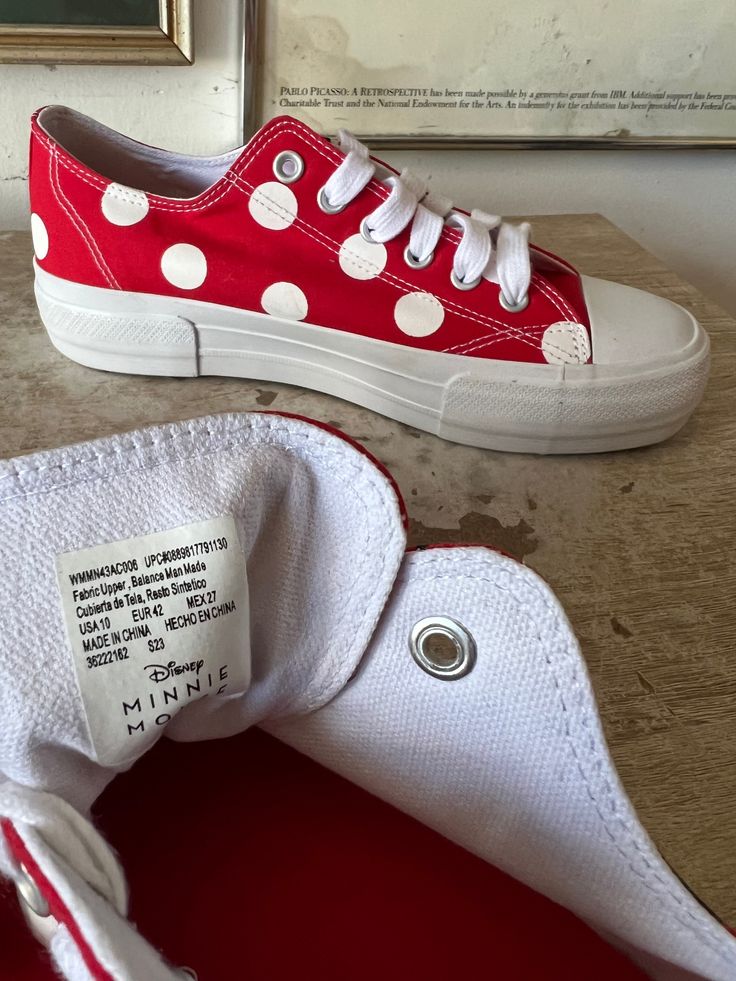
(293, 260)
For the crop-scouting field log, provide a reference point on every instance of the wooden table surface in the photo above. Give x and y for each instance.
(638, 545)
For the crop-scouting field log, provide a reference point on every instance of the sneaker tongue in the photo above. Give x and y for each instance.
(191, 579)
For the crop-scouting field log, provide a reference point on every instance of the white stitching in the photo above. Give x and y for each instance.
(487, 343)
(702, 930)
(477, 345)
(247, 188)
(234, 177)
(581, 353)
(551, 293)
(389, 278)
(272, 426)
(78, 222)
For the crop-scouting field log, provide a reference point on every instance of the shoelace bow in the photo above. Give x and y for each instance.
(488, 249)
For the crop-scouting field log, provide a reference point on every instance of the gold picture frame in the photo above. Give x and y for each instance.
(275, 55)
(170, 42)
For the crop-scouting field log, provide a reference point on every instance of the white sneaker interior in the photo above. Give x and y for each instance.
(510, 760)
(321, 529)
(128, 162)
(316, 539)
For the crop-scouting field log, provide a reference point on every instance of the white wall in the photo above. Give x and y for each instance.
(192, 109)
(681, 205)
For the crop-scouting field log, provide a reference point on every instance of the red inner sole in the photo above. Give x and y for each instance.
(247, 860)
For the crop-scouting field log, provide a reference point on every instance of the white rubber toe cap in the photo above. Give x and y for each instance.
(630, 326)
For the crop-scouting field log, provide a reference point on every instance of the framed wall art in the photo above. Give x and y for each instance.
(135, 32)
(509, 73)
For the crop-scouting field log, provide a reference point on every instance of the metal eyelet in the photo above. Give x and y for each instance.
(35, 909)
(513, 307)
(288, 166)
(366, 232)
(442, 647)
(460, 284)
(411, 260)
(31, 894)
(324, 204)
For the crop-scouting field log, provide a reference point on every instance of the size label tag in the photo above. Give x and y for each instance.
(154, 623)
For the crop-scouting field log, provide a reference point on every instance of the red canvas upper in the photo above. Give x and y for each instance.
(243, 258)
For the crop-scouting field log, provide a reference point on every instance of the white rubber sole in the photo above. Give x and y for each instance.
(525, 408)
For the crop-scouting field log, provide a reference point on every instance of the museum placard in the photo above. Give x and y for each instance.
(508, 71)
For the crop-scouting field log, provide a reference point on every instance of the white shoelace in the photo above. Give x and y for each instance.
(488, 249)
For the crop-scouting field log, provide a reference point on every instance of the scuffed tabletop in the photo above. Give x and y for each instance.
(638, 545)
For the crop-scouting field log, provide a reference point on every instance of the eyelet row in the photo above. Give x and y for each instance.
(412, 261)
(461, 284)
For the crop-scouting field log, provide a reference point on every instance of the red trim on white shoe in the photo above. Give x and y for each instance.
(57, 907)
(356, 445)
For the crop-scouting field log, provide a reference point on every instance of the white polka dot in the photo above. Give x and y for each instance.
(184, 266)
(419, 314)
(362, 259)
(40, 237)
(273, 205)
(566, 343)
(123, 205)
(285, 300)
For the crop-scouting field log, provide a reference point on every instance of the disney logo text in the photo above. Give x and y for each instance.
(162, 672)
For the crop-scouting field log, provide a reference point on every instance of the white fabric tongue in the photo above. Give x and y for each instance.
(509, 759)
(246, 558)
